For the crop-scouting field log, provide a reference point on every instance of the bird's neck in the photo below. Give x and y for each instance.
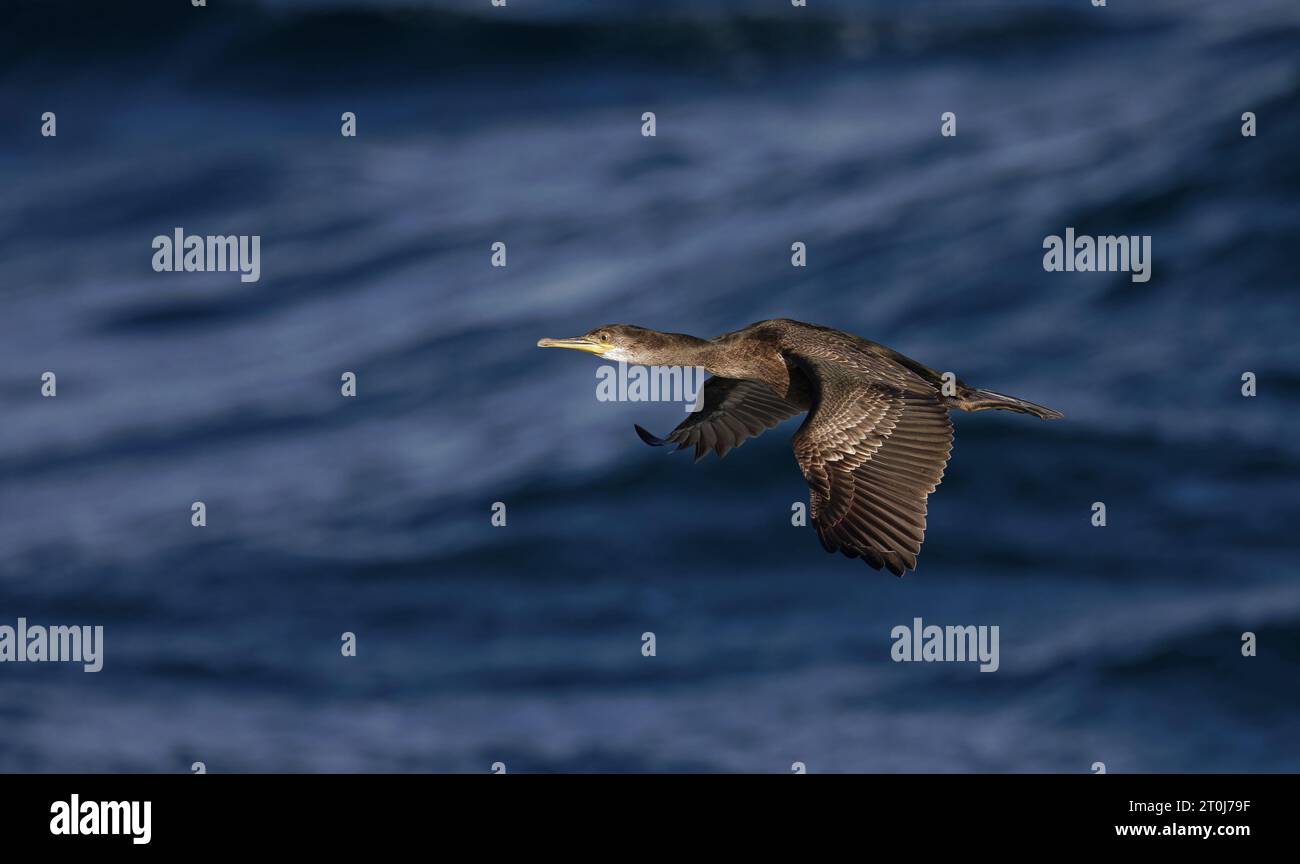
(701, 352)
(724, 358)
(727, 360)
(682, 350)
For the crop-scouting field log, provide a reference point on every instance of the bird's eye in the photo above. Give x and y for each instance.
(603, 335)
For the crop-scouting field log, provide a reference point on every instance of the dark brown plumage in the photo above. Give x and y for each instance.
(876, 439)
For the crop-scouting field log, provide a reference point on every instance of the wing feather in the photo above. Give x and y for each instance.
(873, 448)
(733, 411)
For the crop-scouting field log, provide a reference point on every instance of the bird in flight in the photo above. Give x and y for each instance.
(876, 439)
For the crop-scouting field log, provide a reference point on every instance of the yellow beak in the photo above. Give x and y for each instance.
(582, 343)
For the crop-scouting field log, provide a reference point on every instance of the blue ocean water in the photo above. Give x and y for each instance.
(523, 644)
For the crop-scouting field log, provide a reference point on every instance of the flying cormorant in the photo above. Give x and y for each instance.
(877, 435)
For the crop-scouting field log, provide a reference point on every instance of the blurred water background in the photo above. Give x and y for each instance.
(522, 645)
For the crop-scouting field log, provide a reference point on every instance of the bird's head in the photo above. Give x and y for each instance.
(630, 344)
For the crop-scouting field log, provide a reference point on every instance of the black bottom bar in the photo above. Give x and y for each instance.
(334, 813)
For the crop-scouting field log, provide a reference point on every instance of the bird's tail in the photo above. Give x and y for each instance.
(983, 400)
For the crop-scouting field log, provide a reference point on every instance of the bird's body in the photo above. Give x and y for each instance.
(876, 439)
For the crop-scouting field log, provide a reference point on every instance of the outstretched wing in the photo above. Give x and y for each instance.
(871, 450)
(734, 409)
